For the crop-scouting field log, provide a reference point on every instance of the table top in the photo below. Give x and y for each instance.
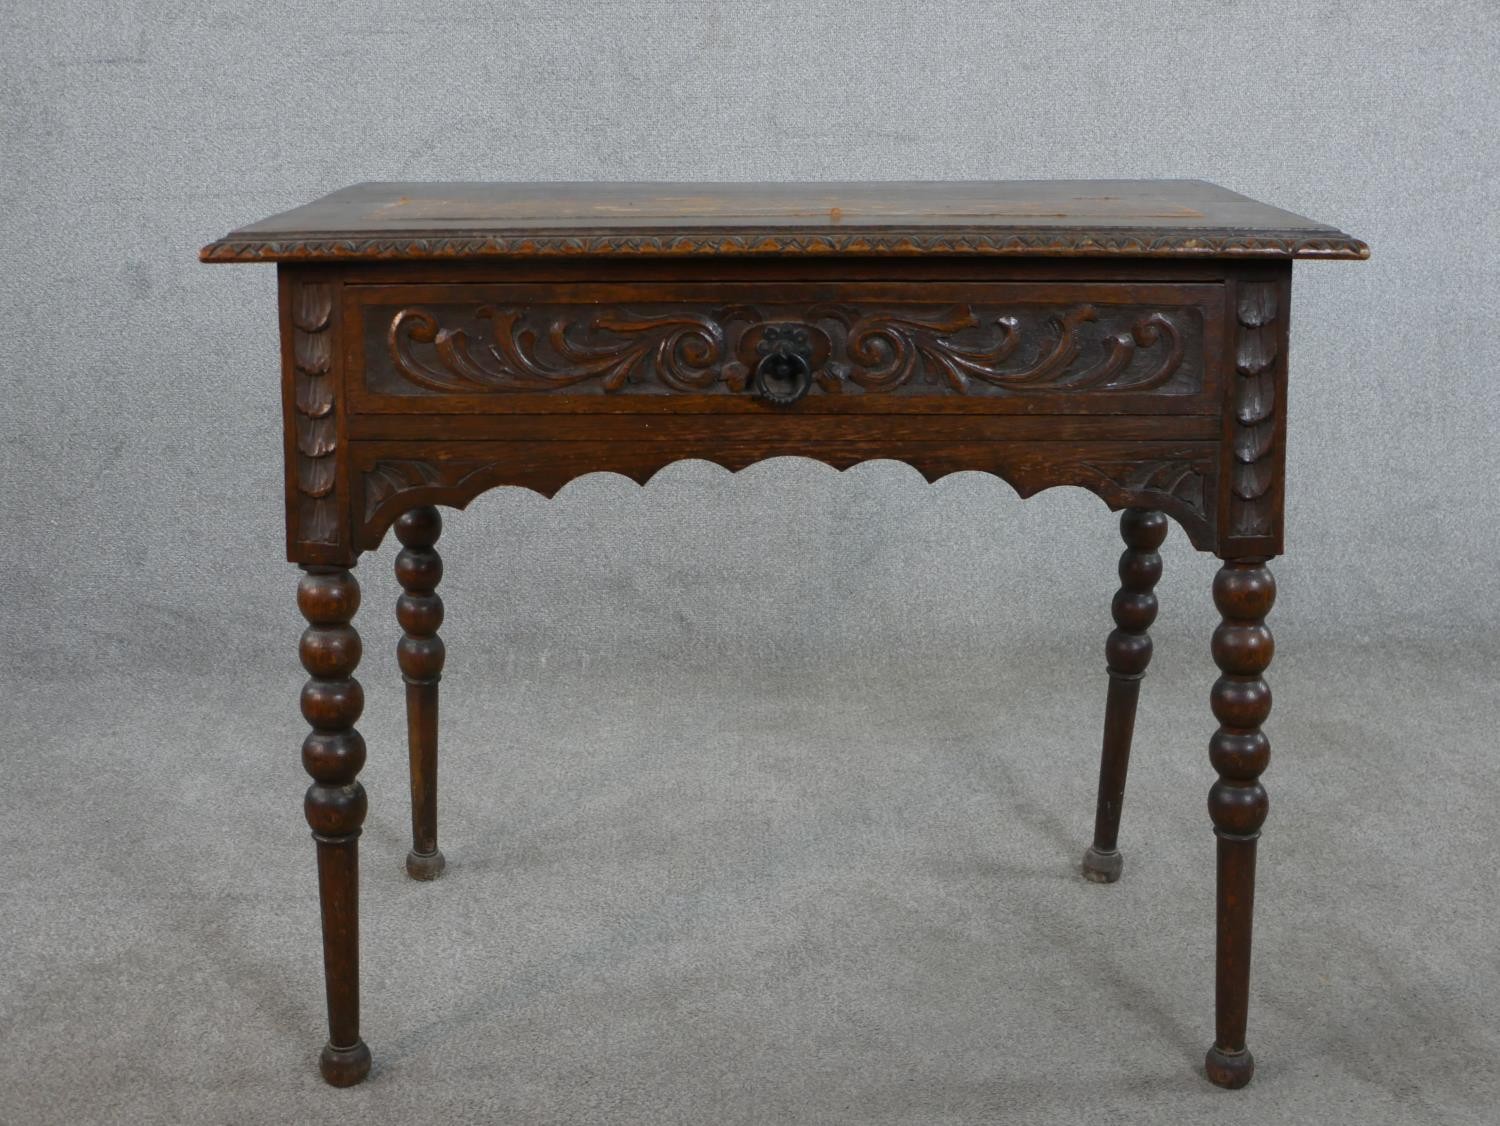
(1072, 218)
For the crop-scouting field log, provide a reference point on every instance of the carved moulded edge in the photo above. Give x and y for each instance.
(1002, 241)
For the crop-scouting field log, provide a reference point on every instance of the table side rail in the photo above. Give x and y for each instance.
(1178, 476)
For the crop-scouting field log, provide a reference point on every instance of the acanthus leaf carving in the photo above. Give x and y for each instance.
(696, 349)
(312, 307)
(682, 350)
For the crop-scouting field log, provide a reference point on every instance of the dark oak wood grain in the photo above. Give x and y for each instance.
(1132, 218)
(1126, 337)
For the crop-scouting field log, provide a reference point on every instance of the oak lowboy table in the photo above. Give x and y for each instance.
(442, 339)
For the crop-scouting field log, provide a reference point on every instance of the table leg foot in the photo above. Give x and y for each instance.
(420, 652)
(425, 865)
(1231, 1070)
(1126, 654)
(1102, 867)
(344, 1067)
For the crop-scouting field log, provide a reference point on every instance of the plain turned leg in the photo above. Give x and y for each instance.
(1237, 803)
(420, 652)
(333, 754)
(1126, 653)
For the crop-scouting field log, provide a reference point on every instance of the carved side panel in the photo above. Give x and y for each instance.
(313, 476)
(852, 348)
(1253, 522)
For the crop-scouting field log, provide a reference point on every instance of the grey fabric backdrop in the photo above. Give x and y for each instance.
(143, 575)
(143, 467)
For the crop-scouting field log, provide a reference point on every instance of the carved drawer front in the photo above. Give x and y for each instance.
(831, 347)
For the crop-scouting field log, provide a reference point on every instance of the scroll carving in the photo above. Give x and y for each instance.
(316, 428)
(682, 350)
(1155, 482)
(392, 476)
(963, 349)
(1254, 462)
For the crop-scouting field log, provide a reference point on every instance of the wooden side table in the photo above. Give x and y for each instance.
(442, 339)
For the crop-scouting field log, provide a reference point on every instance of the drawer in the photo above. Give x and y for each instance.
(822, 347)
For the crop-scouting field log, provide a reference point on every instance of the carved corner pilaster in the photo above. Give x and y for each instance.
(317, 527)
(1255, 453)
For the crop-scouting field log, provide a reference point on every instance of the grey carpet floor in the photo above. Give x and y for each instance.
(705, 892)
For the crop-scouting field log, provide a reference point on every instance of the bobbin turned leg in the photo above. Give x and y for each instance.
(1126, 653)
(1237, 803)
(333, 754)
(420, 653)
